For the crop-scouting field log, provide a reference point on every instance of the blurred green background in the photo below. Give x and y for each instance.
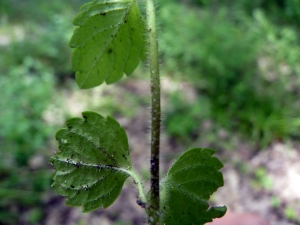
(228, 65)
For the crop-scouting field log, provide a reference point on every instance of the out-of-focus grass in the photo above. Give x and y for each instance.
(34, 51)
(244, 70)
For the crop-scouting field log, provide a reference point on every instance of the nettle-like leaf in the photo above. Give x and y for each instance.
(93, 161)
(187, 187)
(109, 41)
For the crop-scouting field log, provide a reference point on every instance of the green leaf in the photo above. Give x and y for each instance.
(109, 41)
(93, 161)
(188, 186)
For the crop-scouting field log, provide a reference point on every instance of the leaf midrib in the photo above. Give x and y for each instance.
(96, 146)
(169, 176)
(190, 195)
(96, 166)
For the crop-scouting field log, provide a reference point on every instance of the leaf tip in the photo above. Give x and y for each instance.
(60, 133)
(217, 211)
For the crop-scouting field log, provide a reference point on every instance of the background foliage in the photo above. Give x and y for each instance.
(243, 68)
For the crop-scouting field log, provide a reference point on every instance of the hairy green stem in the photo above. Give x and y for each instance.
(139, 184)
(153, 207)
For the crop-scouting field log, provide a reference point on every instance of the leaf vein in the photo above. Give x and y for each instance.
(96, 146)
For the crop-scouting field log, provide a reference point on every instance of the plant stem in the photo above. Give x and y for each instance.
(153, 208)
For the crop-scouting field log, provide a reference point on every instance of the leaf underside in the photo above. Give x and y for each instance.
(109, 41)
(188, 186)
(92, 162)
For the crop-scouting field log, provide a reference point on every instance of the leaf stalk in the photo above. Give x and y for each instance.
(139, 185)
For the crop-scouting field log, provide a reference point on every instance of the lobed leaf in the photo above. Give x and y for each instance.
(187, 187)
(109, 41)
(93, 161)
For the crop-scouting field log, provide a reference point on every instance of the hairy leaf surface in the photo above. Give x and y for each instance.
(93, 161)
(188, 186)
(109, 41)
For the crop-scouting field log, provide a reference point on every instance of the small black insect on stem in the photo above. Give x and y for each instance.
(140, 203)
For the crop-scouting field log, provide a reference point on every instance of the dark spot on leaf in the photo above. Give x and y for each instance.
(109, 50)
(72, 186)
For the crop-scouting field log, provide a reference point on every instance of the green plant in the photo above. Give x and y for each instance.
(28, 57)
(290, 213)
(262, 179)
(94, 157)
(243, 68)
(275, 202)
(23, 135)
(185, 113)
(23, 102)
